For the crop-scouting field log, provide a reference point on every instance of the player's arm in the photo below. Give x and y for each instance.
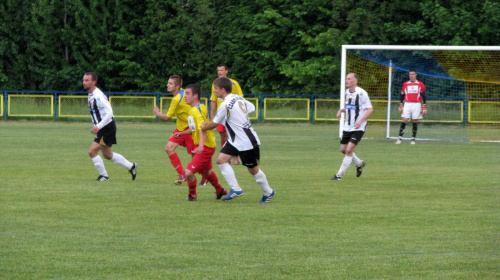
(367, 114)
(339, 113)
(157, 113)
(104, 103)
(208, 126)
(401, 100)
(424, 103)
(186, 131)
(250, 107)
(201, 144)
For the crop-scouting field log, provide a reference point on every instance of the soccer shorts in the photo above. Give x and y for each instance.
(106, 135)
(221, 128)
(202, 163)
(412, 110)
(184, 140)
(249, 158)
(352, 137)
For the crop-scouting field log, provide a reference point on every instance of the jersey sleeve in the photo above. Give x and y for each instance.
(236, 88)
(104, 105)
(213, 97)
(250, 107)
(221, 114)
(173, 105)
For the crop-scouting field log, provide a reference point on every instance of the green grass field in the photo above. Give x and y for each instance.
(428, 211)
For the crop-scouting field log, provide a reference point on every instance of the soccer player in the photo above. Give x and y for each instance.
(178, 108)
(104, 129)
(412, 94)
(242, 141)
(204, 145)
(215, 104)
(357, 108)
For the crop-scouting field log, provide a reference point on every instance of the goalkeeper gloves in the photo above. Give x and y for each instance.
(400, 108)
(424, 109)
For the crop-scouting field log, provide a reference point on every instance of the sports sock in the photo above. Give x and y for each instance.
(176, 162)
(415, 128)
(214, 181)
(122, 161)
(402, 129)
(345, 164)
(99, 165)
(261, 179)
(192, 186)
(228, 173)
(356, 160)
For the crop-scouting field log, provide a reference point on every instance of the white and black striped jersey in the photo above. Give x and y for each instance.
(233, 114)
(100, 109)
(356, 104)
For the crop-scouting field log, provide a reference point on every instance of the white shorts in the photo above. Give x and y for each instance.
(412, 110)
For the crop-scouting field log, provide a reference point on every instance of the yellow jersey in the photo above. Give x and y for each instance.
(178, 108)
(198, 115)
(235, 90)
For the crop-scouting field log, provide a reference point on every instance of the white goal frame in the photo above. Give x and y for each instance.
(395, 47)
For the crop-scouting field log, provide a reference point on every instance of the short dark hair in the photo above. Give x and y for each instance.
(177, 79)
(224, 83)
(195, 89)
(92, 75)
(222, 65)
(412, 70)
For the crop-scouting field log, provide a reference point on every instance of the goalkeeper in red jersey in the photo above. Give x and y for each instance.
(413, 104)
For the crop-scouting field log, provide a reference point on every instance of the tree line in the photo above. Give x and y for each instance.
(270, 46)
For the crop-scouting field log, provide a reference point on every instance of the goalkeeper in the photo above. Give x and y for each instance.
(412, 104)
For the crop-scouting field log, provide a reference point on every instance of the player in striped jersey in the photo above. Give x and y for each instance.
(242, 139)
(104, 129)
(357, 109)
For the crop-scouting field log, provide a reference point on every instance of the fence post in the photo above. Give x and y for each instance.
(56, 105)
(312, 109)
(5, 104)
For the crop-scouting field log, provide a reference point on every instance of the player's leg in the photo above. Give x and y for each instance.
(417, 114)
(175, 161)
(226, 153)
(402, 129)
(414, 131)
(94, 149)
(191, 182)
(250, 159)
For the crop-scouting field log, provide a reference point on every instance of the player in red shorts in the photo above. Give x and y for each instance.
(204, 145)
(412, 94)
(178, 108)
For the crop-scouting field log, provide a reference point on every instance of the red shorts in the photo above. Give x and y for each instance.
(221, 128)
(185, 141)
(202, 163)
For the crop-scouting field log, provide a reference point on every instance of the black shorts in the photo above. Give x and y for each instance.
(248, 158)
(351, 136)
(107, 135)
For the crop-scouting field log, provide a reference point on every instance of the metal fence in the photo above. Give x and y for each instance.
(269, 107)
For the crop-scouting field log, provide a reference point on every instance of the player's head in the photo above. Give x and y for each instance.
(222, 70)
(192, 94)
(174, 83)
(351, 80)
(89, 81)
(223, 83)
(413, 75)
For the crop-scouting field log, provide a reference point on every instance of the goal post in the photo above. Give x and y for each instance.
(461, 82)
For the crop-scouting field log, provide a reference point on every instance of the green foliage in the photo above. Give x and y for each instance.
(281, 47)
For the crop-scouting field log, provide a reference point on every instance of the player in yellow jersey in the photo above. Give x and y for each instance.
(204, 145)
(214, 105)
(178, 108)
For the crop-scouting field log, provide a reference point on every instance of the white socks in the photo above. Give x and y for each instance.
(345, 164)
(356, 160)
(261, 179)
(228, 173)
(99, 165)
(120, 160)
(117, 158)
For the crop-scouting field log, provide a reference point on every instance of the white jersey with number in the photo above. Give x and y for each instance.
(233, 114)
(356, 104)
(100, 109)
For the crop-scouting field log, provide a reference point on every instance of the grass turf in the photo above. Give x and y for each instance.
(428, 211)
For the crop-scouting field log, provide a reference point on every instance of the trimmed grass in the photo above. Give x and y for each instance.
(429, 211)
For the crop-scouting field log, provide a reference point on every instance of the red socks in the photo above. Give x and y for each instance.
(176, 162)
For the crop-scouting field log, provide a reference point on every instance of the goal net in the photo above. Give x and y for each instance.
(462, 88)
